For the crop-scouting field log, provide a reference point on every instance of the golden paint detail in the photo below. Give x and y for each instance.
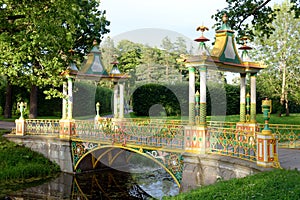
(171, 161)
(233, 142)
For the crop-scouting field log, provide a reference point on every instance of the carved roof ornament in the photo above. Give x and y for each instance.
(225, 26)
(245, 55)
(245, 46)
(202, 38)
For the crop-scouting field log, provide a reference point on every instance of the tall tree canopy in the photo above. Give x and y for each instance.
(248, 16)
(35, 37)
(281, 80)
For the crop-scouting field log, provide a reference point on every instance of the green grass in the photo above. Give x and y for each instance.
(9, 119)
(275, 119)
(276, 184)
(20, 166)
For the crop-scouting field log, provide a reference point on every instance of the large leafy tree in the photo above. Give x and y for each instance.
(248, 16)
(280, 52)
(36, 36)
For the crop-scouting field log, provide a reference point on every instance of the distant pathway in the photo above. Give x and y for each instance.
(7, 125)
(290, 158)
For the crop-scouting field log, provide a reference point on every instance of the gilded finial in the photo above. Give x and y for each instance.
(202, 38)
(202, 29)
(115, 57)
(245, 46)
(95, 42)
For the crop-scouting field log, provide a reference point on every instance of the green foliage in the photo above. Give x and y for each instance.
(21, 167)
(104, 97)
(276, 184)
(20, 163)
(85, 97)
(174, 99)
(280, 81)
(146, 96)
(233, 99)
(248, 16)
(35, 37)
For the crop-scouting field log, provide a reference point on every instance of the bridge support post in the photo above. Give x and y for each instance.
(267, 146)
(67, 128)
(266, 149)
(20, 127)
(196, 139)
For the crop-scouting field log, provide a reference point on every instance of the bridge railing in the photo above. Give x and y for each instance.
(288, 136)
(134, 132)
(221, 124)
(232, 142)
(42, 127)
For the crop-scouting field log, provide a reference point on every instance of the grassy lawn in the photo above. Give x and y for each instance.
(275, 119)
(21, 167)
(276, 184)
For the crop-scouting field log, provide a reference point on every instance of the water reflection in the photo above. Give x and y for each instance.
(105, 184)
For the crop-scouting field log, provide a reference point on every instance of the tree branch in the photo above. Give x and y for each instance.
(253, 11)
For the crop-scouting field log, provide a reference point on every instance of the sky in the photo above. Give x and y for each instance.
(180, 16)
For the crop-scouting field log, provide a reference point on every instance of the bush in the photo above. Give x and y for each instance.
(171, 98)
(85, 97)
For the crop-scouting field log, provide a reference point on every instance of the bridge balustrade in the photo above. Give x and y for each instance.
(42, 127)
(232, 142)
(169, 135)
(288, 136)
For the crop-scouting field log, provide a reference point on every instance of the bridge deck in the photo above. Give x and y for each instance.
(289, 158)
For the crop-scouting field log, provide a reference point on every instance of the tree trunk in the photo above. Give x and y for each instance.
(287, 111)
(283, 84)
(33, 102)
(8, 101)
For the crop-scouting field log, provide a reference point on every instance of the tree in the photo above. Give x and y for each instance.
(108, 51)
(249, 15)
(281, 53)
(129, 55)
(35, 37)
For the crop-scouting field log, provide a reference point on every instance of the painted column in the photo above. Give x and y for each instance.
(253, 98)
(203, 72)
(64, 105)
(243, 98)
(116, 86)
(121, 106)
(70, 98)
(191, 95)
(197, 108)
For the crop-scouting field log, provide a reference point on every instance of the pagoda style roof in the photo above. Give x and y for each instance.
(94, 69)
(93, 65)
(224, 55)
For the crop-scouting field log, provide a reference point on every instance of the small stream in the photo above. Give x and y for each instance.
(139, 183)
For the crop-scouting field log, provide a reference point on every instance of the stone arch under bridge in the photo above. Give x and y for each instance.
(89, 155)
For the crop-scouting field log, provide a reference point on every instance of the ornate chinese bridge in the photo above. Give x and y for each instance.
(192, 151)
